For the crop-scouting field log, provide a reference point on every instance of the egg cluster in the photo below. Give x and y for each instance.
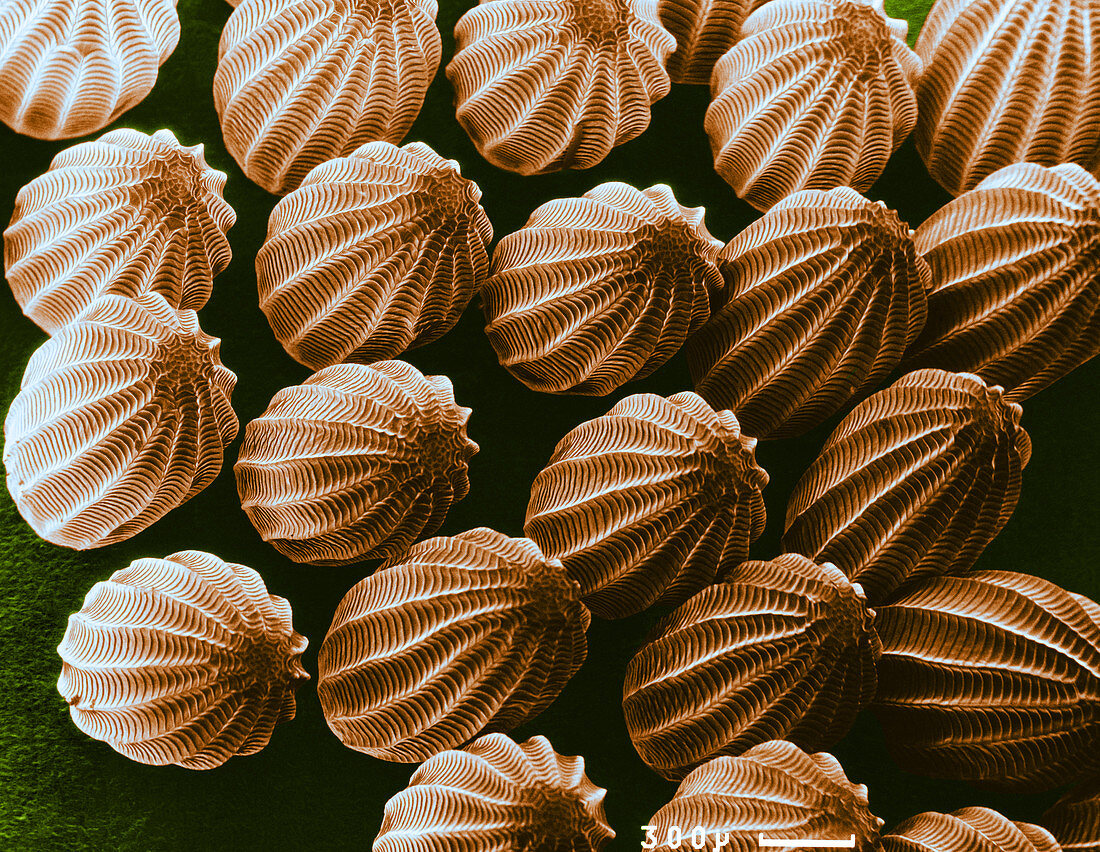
(378, 247)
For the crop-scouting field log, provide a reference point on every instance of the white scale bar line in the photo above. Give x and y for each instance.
(850, 843)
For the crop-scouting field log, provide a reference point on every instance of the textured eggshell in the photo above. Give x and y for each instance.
(355, 463)
(917, 480)
(126, 214)
(648, 502)
(463, 635)
(993, 678)
(497, 795)
(1008, 81)
(825, 292)
(1015, 278)
(596, 291)
(122, 415)
(1074, 819)
(774, 789)
(969, 829)
(816, 94)
(704, 31)
(300, 82)
(373, 254)
(543, 85)
(783, 649)
(185, 660)
(71, 67)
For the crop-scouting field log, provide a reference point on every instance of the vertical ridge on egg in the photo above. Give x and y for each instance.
(916, 480)
(596, 291)
(300, 82)
(1007, 81)
(824, 294)
(775, 789)
(783, 649)
(126, 214)
(497, 794)
(815, 94)
(1015, 265)
(121, 416)
(355, 463)
(649, 502)
(374, 253)
(71, 67)
(184, 660)
(541, 86)
(972, 829)
(993, 678)
(704, 30)
(463, 635)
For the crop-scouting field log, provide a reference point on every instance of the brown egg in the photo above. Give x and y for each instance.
(122, 415)
(596, 291)
(993, 678)
(300, 82)
(1007, 81)
(71, 68)
(815, 94)
(373, 254)
(774, 789)
(1074, 819)
(496, 794)
(355, 463)
(823, 295)
(479, 632)
(783, 649)
(648, 502)
(704, 31)
(970, 829)
(185, 660)
(1015, 278)
(917, 480)
(545, 86)
(126, 214)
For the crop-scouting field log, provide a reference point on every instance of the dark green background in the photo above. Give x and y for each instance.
(62, 790)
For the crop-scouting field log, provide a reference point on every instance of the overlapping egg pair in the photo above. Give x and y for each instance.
(124, 413)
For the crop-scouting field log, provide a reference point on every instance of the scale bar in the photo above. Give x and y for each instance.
(850, 843)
